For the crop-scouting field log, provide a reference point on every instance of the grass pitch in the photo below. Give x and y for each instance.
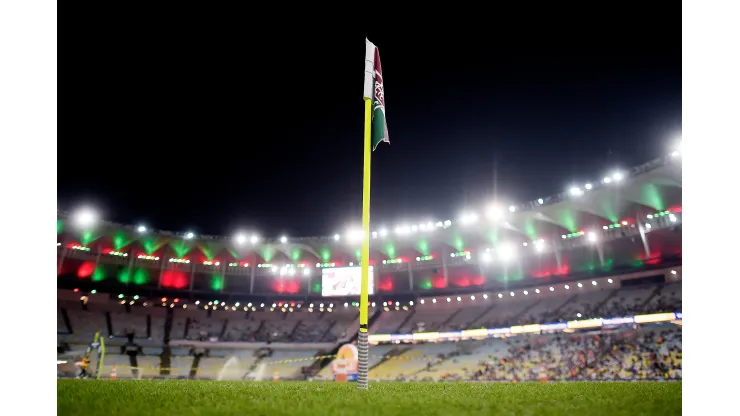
(182, 398)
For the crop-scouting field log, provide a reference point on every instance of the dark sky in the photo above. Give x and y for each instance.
(214, 127)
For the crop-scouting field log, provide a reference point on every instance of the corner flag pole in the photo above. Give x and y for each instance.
(362, 344)
(376, 131)
(362, 350)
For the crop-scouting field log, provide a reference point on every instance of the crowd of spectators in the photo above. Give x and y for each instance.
(627, 355)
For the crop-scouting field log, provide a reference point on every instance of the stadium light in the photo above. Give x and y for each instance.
(468, 218)
(189, 235)
(592, 237)
(539, 245)
(506, 252)
(588, 186)
(494, 213)
(355, 235)
(617, 176)
(540, 201)
(240, 238)
(336, 237)
(678, 147)
(383, 232)
(576, 191)
(403, 229)
(85, 217)
(254, 239)
(141, 229)
(512, 208)
(607, 180)
(283, 239)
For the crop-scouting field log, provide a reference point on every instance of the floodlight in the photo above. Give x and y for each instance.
(506, 252)
(85, 217)
(494, 212)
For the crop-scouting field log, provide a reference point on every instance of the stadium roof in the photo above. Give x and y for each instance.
(652, 187)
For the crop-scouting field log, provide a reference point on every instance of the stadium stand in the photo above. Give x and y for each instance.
(624, 353)
(644, 354)
(410, 361)
(241, 328)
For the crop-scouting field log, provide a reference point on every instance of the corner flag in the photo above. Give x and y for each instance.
(375, 92)
(376, 131)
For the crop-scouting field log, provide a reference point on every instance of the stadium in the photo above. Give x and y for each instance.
(584, 285)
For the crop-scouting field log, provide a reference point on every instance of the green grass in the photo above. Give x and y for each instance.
(181, 398)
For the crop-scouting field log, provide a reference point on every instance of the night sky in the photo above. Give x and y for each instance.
(214, 128)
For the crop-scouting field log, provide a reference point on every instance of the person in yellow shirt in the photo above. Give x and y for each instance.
(83, 364)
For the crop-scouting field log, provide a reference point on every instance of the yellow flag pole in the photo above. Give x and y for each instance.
(362, 349)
